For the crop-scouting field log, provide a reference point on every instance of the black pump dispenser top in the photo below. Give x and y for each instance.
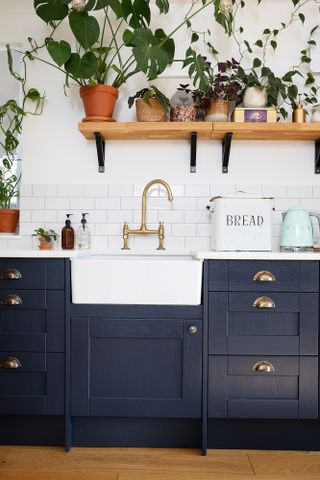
(84, 220)
(68, 221)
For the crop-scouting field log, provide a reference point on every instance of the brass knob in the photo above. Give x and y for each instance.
(11, 274)
(10, 363)
(263, 367)
(11, 300)
(264, 302)
(193, 330)
(264, 276)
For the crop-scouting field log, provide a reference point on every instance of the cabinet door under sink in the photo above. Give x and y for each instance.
(136, 367)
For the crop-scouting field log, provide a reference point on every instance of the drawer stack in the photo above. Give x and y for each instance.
(263, 339)
(32, 336)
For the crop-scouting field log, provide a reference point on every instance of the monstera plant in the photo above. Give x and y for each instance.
(114, 41)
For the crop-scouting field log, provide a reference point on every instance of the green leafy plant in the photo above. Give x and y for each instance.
(147, 94)
(11, 118)
(46, 235)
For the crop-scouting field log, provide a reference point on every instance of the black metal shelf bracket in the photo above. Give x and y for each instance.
(317, 157)
(193, 152)
(226, 147)
(101, 150)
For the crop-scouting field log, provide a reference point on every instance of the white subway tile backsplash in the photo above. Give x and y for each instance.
(44, 190)
(171, 216)
(95, 190)
(120, 190)
(186, 220)
(44, 216)
(299, 191)
(120, 216)
(61, 203)
(70, 190)
(83, 204)
(107, 203)
(197, 190)
(184, 230)
(32, 203)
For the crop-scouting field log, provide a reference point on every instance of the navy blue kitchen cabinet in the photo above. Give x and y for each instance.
(263, 336)
(32, 336)
(148, 365)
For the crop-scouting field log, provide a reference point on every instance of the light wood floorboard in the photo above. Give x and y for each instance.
(50, 463)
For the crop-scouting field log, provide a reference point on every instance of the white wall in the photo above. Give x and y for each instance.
(54, 152)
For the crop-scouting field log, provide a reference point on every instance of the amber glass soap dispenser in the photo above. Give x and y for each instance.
(67, 235)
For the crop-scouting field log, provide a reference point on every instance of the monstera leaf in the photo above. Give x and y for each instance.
(85, 28)
(60, 52)
(197, 68)
(50, 10)
(163, 5)
(152, 52)
(136, 13)
(81, 67)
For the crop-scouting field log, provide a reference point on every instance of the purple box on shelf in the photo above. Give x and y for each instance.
(255, 115)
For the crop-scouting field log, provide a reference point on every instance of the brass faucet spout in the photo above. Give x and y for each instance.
(143, 227)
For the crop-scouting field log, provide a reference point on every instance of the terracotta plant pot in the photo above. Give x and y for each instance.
(98, 102)
(8, 220)
(149, 113)
(218, 111)
(43, 245)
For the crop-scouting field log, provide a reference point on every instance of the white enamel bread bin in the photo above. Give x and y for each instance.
(241, 222)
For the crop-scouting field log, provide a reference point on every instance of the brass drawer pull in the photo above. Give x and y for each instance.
(263, 367)
(11, 274)
(264, 276)
(11, 300)
(193, 330)
(10, 363)
(264, 302)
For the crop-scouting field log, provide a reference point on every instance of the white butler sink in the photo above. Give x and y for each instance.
(136, 279)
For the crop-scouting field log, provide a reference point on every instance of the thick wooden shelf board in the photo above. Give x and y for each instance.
(146, 130)
(205, 130)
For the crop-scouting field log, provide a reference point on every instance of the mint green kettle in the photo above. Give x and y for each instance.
(297, 232)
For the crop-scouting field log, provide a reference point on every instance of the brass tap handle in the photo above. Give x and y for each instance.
(263, 367)
(125, 236)
(264, 302)
(10, 363)
(161, 236)
(11, 274)
(264, 276)
(11, 299)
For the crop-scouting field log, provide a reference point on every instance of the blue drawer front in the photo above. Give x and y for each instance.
(237, 391)
(32, 273)
(35, 388)
(246, 276)
(236, 327)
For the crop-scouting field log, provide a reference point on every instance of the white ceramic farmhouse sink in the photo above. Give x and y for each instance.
(136, 279)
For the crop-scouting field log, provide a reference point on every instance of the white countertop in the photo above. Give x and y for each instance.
(201, 255)
(212, 255)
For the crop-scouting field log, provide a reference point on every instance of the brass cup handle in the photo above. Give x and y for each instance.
(193, 330)
(263, 367)
(11, 299)
(11, 274)
(264, 302)
(10, 363)
(264, 276)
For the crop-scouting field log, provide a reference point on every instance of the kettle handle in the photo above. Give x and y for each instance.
(315, 214)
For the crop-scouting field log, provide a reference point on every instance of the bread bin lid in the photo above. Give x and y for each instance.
(241, 196)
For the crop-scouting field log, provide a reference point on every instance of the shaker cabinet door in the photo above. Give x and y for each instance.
(136, 367)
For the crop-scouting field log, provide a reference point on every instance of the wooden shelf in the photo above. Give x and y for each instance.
(205, 130)
(193, 131)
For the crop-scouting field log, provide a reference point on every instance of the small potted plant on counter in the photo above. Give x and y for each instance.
(46, 238)
(151, 105)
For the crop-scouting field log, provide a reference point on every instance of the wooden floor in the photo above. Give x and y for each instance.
(50, 463)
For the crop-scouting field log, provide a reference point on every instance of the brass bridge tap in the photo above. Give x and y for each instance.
(143, 230)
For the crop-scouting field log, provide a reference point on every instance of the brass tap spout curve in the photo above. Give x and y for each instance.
(157, 181)
(143, 227)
